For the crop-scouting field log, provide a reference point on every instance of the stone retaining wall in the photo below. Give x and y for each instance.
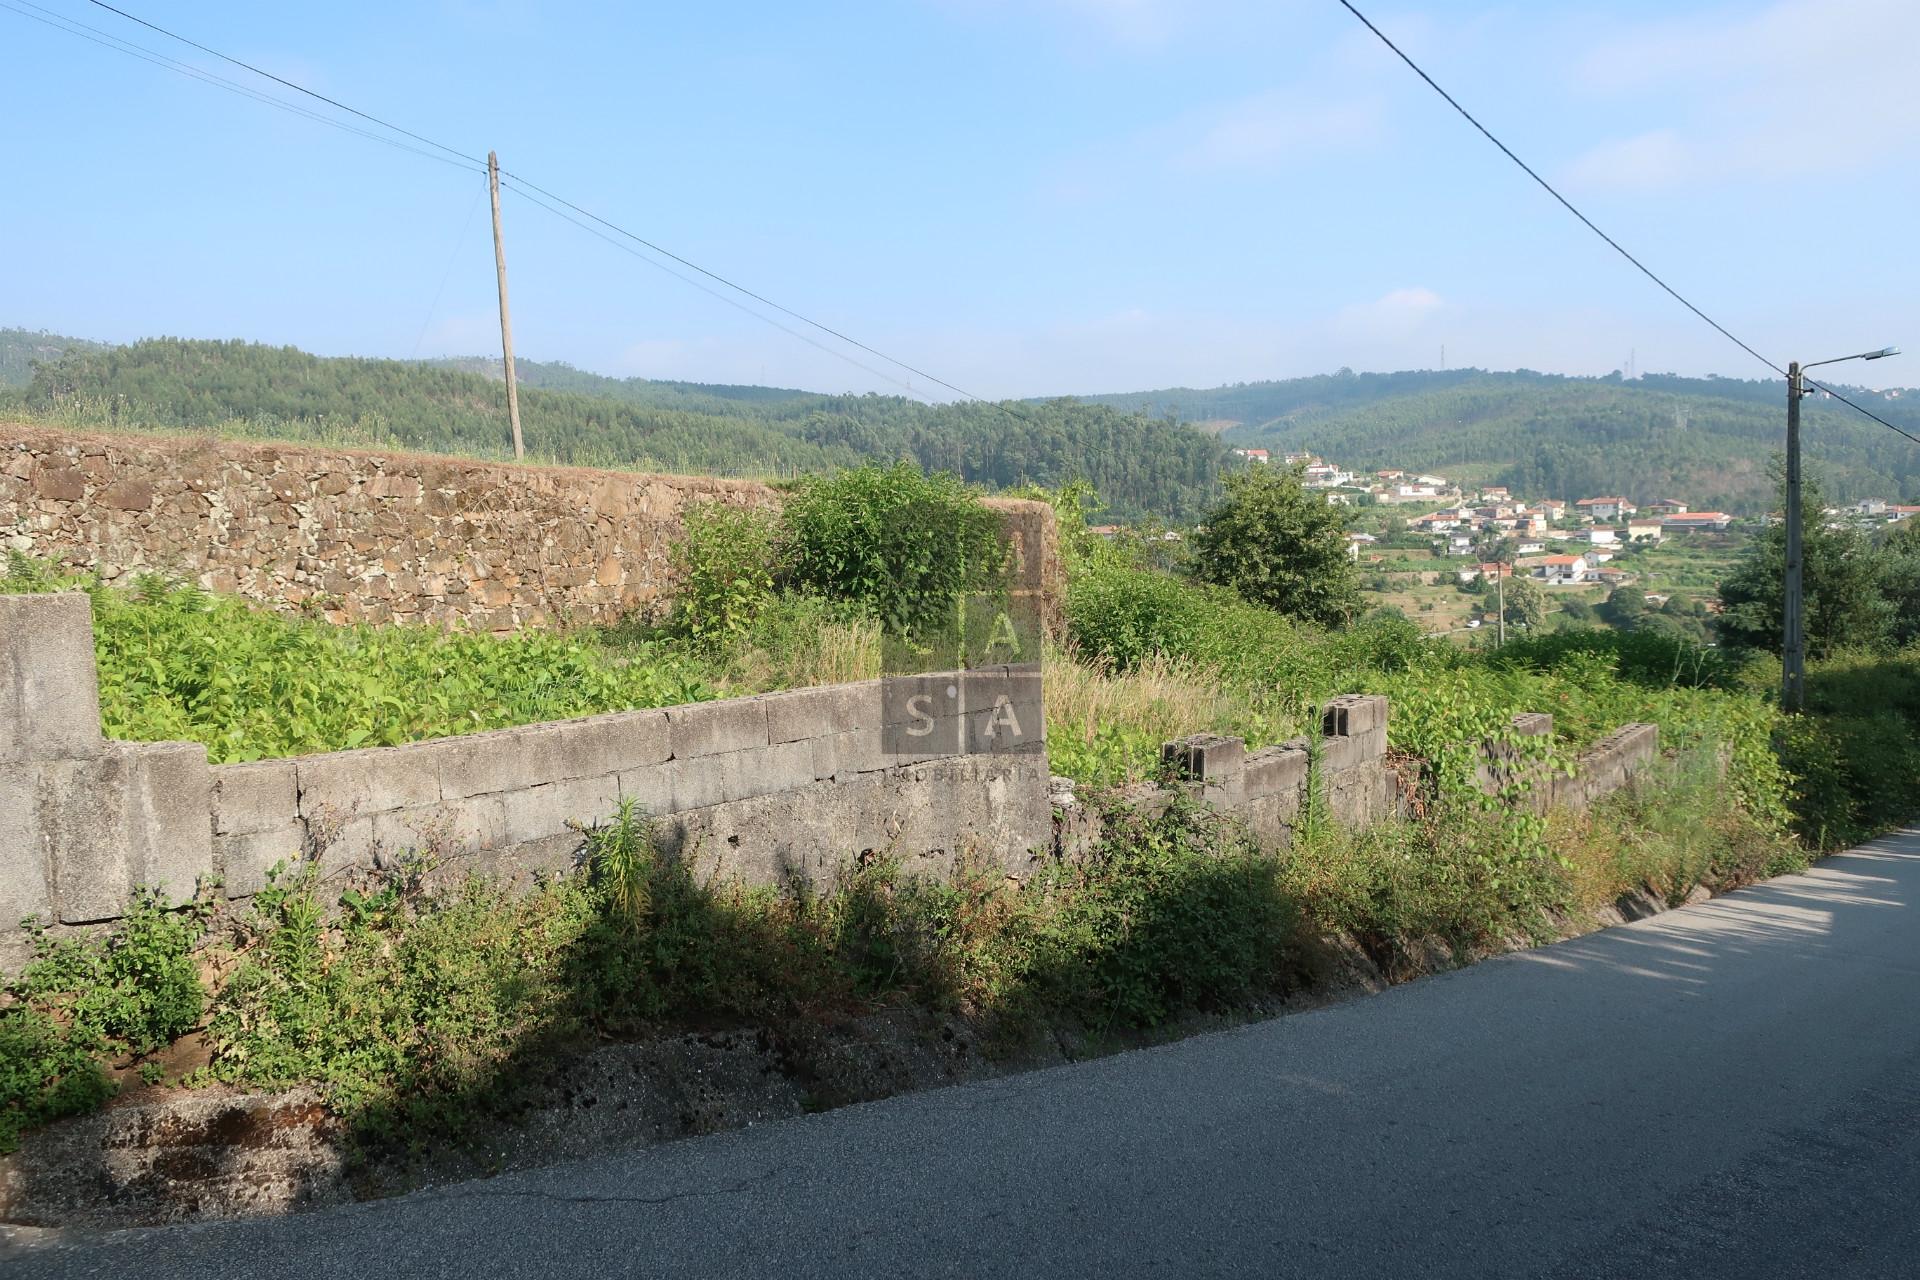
(769, 789)
(359, 535)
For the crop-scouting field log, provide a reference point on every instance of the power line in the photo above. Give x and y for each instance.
(735, 303)
(534, 187)
(1591, 226)
(106, 40)
(171, 35)
(855, 342)
(1818, 386)
(1549, 189)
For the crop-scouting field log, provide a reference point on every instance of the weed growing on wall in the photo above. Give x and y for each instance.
(84, 1003)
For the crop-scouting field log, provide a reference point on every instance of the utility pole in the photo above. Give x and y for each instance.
(1500, 580)
(1793, 658)
(506, 320)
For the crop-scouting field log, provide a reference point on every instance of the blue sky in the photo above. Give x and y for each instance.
(1023, 198)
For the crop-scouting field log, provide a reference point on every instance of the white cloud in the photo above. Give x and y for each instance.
(1395, 315)
(1278, 124)
(1650, 160)
(1811, 85)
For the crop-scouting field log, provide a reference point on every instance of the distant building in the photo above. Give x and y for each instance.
(1712, 520)
(1253, 455)
(1495, 493)
(1530, 547)
(1605, 508)
(1667, 507)
(1643, 531)
(1603, 537)
(1558, 571)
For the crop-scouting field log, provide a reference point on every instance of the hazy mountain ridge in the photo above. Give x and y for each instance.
(1704, 440)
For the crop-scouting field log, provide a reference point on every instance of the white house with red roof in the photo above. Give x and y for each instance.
(1253, 455)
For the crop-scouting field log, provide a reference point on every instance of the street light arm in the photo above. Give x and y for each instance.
(1881, 354)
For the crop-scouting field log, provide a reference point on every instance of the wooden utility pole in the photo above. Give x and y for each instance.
(506, 319)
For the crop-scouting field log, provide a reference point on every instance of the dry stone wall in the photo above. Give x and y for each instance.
(358, 535)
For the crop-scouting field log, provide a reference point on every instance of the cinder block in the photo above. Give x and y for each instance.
(49, 694)
(173, 837)
(842, 755)
(823, 712)
(24, 890)
(536, 813)
(137, 815)
(1275, 771)
(260, 796)
(651, 788)
(717, 728)
(1354, 751)
(1353, 714)
(1006, 728)
(610, 743)
(476, 764)
(742, 775)
(369, 781)
(448, 830)
(1533, 724)
(1205, 757)
(244, 858)
(85, 821)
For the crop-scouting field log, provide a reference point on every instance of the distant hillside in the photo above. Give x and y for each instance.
(1141, 467)
(1704, 440)
(19, 348)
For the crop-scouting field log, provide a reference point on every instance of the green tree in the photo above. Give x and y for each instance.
(1280, 546)
(1526, 603)
(1842, 586)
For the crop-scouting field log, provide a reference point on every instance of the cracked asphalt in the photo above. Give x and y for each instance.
(1731, 1089)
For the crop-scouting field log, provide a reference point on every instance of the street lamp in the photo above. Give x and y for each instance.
(1793, 658)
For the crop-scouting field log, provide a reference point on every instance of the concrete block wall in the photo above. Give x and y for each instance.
(84, 820)
(1268, 788)
(768, 789)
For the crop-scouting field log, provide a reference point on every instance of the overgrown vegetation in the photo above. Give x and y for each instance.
(178, 663)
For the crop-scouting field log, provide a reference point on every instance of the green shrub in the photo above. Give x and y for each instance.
(723, 572)
(902, 544)
(82, 1001)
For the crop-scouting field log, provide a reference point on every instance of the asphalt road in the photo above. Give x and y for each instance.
(1732, 1089)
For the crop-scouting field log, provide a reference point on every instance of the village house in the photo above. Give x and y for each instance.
(1643, 531)
(1495, 493)
(1560, 571)
(1253, 455)
(1460, 544)
(1553, 509)
(1667, 507)
(1712, 520)
(1602, 537)
(1605, 508)
(1530, 547)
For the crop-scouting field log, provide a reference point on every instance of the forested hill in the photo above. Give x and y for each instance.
(1706, 441)
(20, 348)
(1142, 467)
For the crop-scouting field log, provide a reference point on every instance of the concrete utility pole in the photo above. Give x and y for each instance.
(1793, 616)
(1793, 656)
(506, 320)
